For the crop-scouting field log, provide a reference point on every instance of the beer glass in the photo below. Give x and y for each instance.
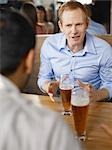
(80, 105)
(66, 85)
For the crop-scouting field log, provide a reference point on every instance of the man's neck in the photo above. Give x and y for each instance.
(76, 48)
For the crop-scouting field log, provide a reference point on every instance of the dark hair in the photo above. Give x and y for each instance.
(42, 8)
(16, 40)
(29, 11)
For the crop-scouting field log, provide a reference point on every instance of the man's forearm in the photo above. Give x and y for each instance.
(102, 94)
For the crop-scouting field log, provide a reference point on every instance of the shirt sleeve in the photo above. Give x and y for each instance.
(45, 71)
(106, 71)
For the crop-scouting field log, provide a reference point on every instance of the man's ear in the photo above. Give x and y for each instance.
(29, 61)
(60, 26)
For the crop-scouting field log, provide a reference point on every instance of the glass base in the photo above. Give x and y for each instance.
(82, 137)
(69, 113)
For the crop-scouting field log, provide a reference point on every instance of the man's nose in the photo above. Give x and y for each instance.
(74, 29)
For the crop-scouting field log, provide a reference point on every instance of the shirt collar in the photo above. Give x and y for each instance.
(62, 42)
(89, 44)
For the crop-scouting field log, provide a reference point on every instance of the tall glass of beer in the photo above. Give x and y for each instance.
(80, 105)
(66, 85)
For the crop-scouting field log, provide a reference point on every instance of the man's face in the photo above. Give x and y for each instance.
(74, 25)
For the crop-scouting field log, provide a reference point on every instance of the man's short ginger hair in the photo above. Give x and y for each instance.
(72, 5)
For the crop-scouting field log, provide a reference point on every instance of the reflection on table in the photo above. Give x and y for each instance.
(99, 112)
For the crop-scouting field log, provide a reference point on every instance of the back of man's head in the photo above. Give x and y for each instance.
(16, 40)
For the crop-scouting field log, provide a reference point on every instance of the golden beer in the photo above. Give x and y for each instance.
(80, 114)
(66, 85)
(80, 105)
(66, 98)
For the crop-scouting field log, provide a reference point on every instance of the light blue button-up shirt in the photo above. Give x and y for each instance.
(87, 65)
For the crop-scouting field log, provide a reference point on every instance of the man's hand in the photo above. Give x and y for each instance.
(94, 94)
(51, 88)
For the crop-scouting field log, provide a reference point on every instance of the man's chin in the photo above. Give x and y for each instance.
(74, 41)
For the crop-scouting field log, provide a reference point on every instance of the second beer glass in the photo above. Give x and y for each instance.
(66, 85)
(80, 105)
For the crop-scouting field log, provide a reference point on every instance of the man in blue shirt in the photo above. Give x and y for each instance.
(74, 51)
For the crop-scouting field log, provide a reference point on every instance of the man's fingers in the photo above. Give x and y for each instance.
(88, 87)
(81, 84)
(52, 89)
(54, 84)
(51, 97)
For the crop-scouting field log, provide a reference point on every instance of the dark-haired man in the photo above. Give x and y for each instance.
(24, 126)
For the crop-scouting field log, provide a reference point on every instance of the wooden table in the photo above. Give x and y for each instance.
(99, 112)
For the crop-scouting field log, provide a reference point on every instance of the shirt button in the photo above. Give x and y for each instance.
(71, 70)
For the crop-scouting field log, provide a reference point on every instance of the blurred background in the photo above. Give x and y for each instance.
(101, 10)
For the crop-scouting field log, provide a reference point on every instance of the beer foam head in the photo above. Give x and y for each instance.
(66, 87)
(80, 98)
